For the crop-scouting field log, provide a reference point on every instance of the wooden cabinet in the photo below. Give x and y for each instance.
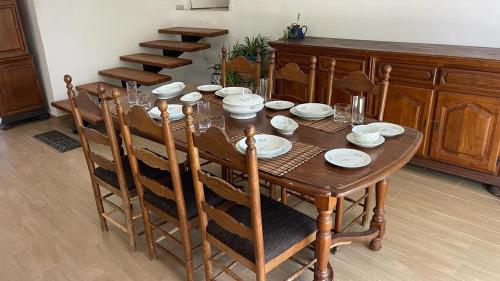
(20, 94)
(411, 107)
(467, 131)
(12, 41)
(449, 93)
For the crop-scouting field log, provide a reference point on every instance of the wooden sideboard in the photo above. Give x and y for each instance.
(20, 94)
(449, 93)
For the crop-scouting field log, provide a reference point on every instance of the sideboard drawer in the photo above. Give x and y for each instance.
(344, 66)
(409, 73)
(470, 81)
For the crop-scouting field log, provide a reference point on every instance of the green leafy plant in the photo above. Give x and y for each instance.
(251, 47)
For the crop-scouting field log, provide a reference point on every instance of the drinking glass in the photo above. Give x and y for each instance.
(358, 110)
(262, 90)
(218, 121)
(144, 100)
(342, 112)
(132, 92)
(203, 110)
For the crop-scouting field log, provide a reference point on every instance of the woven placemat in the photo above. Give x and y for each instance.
(279, 166)
(326, 125)
(213, 99)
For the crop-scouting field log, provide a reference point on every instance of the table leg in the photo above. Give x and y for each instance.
(378, 220)
(322, 270)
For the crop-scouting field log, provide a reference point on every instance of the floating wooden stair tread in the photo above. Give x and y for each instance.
(156, 60)
(175, 45)
(194, 31)
(91, 88)
(130, 74)
(87, 115)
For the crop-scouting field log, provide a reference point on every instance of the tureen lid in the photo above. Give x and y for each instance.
(243, 100)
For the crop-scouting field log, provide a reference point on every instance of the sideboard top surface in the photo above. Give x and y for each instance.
(396, 47)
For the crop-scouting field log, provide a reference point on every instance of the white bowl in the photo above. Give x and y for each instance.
(366, 133)
(191, 98)
(239, 112)
(224, 92)
(284, 125)
(209, 88)
(169, 91)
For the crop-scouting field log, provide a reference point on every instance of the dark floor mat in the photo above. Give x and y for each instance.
(58, 141)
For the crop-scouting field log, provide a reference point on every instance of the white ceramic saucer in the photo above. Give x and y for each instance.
(390, 129)
(347, 158)
(350, 138)
(209, 88)
(279, 104)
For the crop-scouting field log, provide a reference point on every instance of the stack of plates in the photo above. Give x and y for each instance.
(312, 111)
(169, 91)
(268, 146)
(224, 92)
(174, 112)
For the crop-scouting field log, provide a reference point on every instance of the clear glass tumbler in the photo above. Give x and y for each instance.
(203, 110)
(132, 92)
(218, 121)
(342, 112)
(144, 100)
(262, 90)
(358, 110)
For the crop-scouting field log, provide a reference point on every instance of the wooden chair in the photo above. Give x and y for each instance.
(358, 83)
(114, 175)
(254, 230)
(291, 72)
(241, 65)
(172, 199)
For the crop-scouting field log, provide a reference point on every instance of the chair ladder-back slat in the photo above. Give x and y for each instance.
(157, 188)
(224, 189)
(227, 222)
(103, 162)
(96, 136)
(151, 159)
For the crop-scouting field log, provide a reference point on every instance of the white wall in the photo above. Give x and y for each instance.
(82, 37)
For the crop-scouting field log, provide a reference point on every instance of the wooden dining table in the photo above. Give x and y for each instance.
(321, 181)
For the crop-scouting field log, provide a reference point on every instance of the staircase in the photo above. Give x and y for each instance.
(152, 64)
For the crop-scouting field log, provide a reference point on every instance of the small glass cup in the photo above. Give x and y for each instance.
(203, 110)
(342, 113)
(358, 110)
(144, 100)
(218, 121)
(132, 92)
(262, 90)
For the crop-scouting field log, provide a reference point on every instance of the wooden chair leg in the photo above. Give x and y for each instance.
(272, 190)
(129, 223)
(284, 196)
(339, 215)
(367, 206)
(149, 232)
(100, 206)
(188, 257)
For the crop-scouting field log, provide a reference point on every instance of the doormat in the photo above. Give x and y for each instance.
(58, 141)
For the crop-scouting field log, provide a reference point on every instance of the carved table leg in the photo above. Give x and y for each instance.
(495, 190)
(378, 220)
(322, 269)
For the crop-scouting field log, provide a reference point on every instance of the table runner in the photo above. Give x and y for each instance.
(326, 125)
(279, 166)
(212, 98)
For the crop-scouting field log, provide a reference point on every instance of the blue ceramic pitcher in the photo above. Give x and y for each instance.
(298, 32)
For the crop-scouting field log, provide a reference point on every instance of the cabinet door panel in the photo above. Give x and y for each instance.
(468, 131)
(11, 38)
(20, 91)
(410, 106)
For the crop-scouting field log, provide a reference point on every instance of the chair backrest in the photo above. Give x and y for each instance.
(358, 83)
(137, 121)
(214, 142)
(240, 65)
(87, 135)
(292, 72)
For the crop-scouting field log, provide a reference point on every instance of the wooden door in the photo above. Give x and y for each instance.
(11, 36)
(19, 91)
(467, 131)
(411, 107)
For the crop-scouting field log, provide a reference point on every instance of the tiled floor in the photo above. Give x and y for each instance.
(440, 227)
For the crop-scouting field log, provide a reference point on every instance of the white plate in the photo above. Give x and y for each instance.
(294, 112)
(350, 138)
(279, 104)
(224, 92)
(209, 88)
(169, 91)
(390, 129)
(191, 98)
(347, 158)
(174, 112)
(266, 144)
(286, 148)
(314, 109)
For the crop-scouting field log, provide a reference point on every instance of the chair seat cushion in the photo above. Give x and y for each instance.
(170, 206)
(282, 227)
(111, 178)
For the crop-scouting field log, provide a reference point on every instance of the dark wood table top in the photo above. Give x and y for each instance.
(317, 177)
